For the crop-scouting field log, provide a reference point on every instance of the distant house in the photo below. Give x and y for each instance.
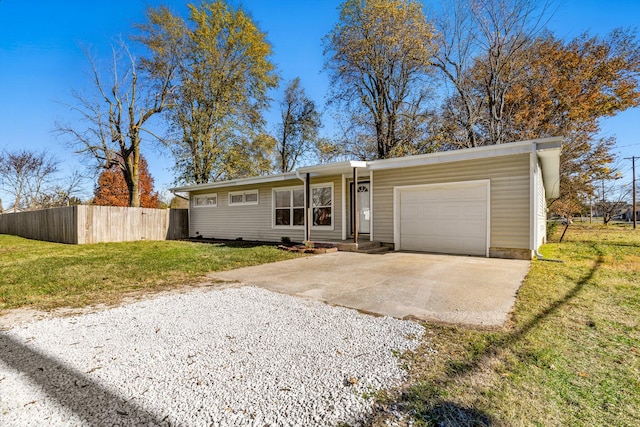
(627, 215)
(486, 201)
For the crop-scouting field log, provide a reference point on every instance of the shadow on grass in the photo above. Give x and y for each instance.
(430, 407)
(428, 402)
(94, 404)
(234, 243)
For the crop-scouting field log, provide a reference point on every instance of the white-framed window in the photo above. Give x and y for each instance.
(322, 205)
(248, 197)
(205, 200)
(288, 207)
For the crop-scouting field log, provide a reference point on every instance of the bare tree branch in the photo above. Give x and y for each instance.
(114, 120)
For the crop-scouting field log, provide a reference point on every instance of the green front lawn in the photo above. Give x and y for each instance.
(47, 275)
(570, 357)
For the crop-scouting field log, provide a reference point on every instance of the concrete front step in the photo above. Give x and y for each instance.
(375, 250)
(365, 246)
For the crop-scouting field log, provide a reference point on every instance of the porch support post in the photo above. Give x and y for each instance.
(355, 205)
(307, 208)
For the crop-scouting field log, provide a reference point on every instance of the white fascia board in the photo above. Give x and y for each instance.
(236, 182)
(547, 149)
(358, 164)
(552, 143)
(338, 168)
(454, 156)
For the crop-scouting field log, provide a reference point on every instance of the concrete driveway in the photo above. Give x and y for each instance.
(444, 288)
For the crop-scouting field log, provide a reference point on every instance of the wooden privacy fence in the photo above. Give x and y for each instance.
(97, 224)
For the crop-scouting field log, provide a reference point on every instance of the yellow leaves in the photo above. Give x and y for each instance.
(377, 33)
(225, 72)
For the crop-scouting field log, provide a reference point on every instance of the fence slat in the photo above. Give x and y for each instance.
(97, 224)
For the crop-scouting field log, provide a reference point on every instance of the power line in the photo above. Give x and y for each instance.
(633, 168)
(625, 146)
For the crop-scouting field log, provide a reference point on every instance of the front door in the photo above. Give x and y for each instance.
(364, 208)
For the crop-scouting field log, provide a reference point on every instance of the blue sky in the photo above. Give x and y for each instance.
(41, 61)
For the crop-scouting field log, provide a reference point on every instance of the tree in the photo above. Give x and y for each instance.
(379, 57)
(224, 73)
(298, 132)
(611, 198)
(118, 115)
(566, 89)
(112, 188)
(482, 46)
(62, 193)
(512, 81)
(27, 176)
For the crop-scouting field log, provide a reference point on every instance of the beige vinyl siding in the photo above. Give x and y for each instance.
(255, 221)
(509, 187)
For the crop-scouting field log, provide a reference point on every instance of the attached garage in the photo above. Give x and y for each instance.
(448, 218)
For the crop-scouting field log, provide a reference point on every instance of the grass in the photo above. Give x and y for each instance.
(47, 275)
(570, 355)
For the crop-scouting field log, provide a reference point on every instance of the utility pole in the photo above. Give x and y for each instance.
(633, 185)
(603, 202)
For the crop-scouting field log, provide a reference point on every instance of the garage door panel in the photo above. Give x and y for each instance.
(448, 219)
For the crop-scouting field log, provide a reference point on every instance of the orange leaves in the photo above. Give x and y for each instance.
(112, 188)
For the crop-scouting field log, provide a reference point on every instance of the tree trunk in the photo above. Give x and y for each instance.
(134, 192)
(131, 172)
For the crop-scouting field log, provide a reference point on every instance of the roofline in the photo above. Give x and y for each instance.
(486, 151)
(547, 150)
(236, 182)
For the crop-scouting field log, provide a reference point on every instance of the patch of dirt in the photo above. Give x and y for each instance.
(20, 316)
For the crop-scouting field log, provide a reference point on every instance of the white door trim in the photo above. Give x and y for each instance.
(486, 183)
(344, 207)
(356, 192)
(371, 206)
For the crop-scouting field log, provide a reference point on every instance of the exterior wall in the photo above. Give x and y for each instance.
(255, 222)
(541, 209)
(510, 197)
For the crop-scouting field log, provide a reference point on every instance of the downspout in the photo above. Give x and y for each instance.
(541, 257)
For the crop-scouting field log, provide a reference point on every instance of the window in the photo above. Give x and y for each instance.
(249, 197)
(322, 205)
(289, 207)
(204, 200)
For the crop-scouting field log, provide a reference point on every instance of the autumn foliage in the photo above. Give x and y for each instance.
(112, 188)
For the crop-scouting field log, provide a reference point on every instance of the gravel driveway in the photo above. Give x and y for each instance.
(236, 356)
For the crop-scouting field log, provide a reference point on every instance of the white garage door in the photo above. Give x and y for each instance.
(447, 218)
